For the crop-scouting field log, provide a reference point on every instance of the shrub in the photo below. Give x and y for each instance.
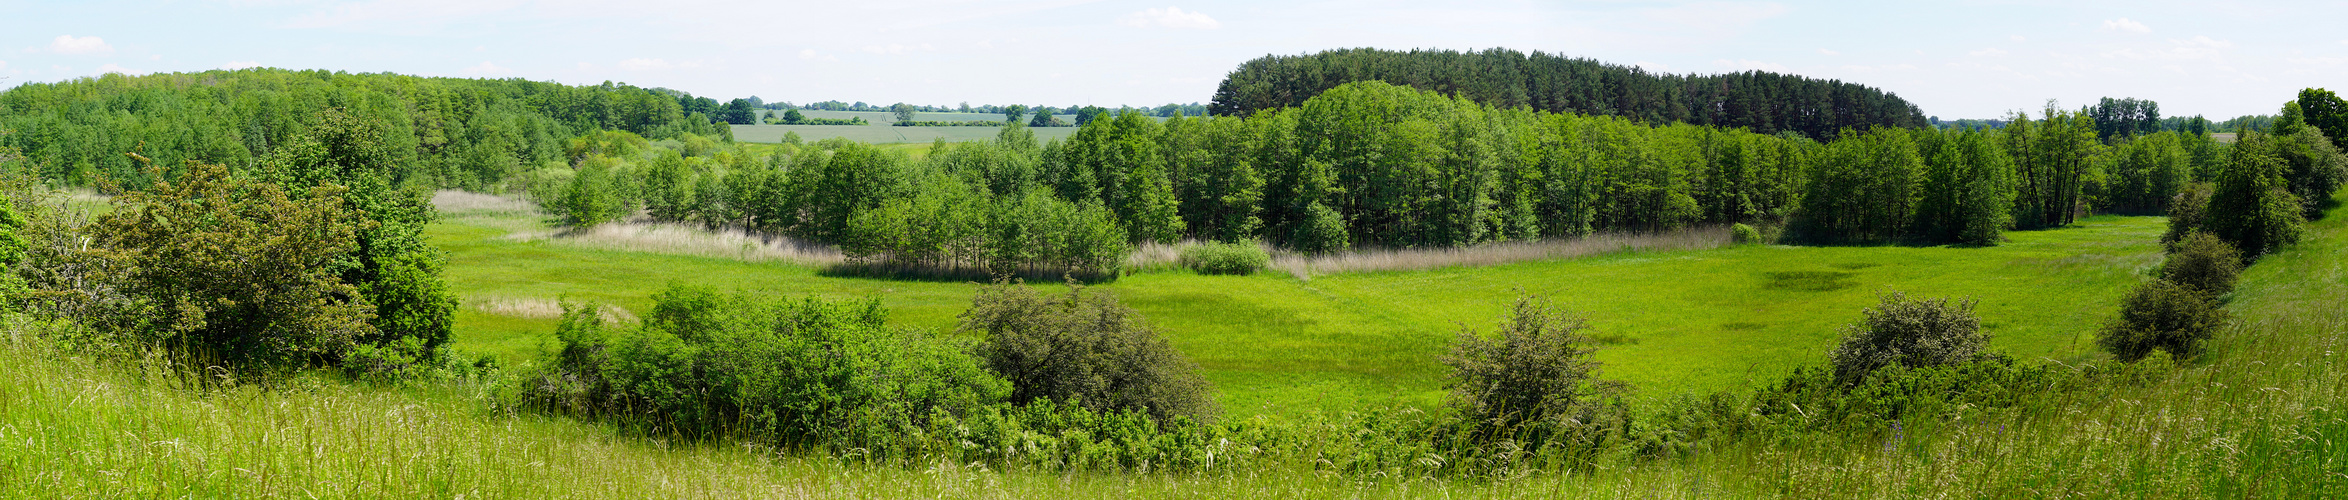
(2188, 213)
(237, 270)
(782, 371)
(1225, 258)
(1914, 333)
(1744, 235)
(1321, 232)
(2204, 263)
(2161, 315)
(1538, 369)
(1086, 348)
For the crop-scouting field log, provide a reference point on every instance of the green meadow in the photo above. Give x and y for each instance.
(1673, 322)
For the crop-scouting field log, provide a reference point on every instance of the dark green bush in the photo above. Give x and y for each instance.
(783, 371)
(1225, 258)
(1086, 348)
(1537, 369)
(2188, 212)
(239, 272)
(1744, 235)
(1914, 333)
(2205, 263)
(2165, 316)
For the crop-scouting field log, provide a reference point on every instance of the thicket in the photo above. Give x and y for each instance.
(1085, 349)
(1240, 257)
(1760, 101)
(1910, 333)
(789, 372)
(470, 133)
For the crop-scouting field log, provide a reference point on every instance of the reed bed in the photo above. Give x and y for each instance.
(1304, 267)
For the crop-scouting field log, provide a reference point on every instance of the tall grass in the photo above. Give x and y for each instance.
(1304, 267)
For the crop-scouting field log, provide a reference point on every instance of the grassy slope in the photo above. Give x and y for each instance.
(2261, 417)
(1693, 321)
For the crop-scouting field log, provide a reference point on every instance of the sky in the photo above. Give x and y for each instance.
(1952, 58)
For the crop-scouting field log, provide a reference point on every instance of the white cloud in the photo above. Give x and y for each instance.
(69, 44)
(111, 68)
(3, 65)
(486, 68)
(1829, 52)
(2017, 38)
(2123, 24)
(237, 65)
(1653, 67)
(1992, 51)
(643, 64)
(1748, 64)
(1170, 17)
(893, 49)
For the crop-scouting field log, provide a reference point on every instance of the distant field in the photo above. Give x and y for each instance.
(1689, 321)
(883, 134)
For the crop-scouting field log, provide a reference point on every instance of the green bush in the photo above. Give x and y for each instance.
(2165, 316)
(776, 370)
(2188, 213)
(1225, 258)
(1538, 369)
(1914, 333)
(1321, 232)
(2204, 263)
(237, 271)
(1085, 348)
(1744, 235)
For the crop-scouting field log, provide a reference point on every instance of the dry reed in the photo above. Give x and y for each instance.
(1304, 267)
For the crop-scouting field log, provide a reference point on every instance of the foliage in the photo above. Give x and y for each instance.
(2162, 315)
(2203, 263)
(453, 132)
(1538, 368)
(1863, 188)
(774, 370)
(1744, 235)
(2124, 117)
(2251, 206)
(2325, 111)
(1242, 257)
(1087, 349)
(2188, 213)
(590, 196)
(239, 271)
(1912, 333)
(1760, 101)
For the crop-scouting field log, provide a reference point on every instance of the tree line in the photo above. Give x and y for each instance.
(439, 131)
(1378, 165)
(1760, 101)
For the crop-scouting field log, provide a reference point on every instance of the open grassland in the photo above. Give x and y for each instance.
(1675, 321)
(2260, 416)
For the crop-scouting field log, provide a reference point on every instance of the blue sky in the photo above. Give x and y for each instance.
(1960, 58)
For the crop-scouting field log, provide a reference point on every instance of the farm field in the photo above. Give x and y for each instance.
(881, 132)
(884, 134)
(1675, 322)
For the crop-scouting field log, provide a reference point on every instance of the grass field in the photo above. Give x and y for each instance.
(881, 132)
(2258, 417)
(1685, 321)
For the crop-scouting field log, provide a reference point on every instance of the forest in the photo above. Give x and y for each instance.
(1759, 101)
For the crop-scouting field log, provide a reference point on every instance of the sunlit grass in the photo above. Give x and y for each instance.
(1681, 320)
